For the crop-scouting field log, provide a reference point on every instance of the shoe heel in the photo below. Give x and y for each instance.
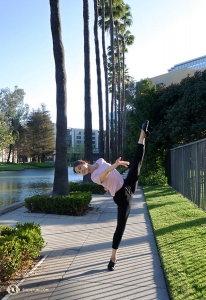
(145, 127)
(111, 266)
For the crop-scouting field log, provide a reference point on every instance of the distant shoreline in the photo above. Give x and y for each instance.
(21, 166)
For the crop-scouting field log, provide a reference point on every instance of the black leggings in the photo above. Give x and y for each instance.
(123, 197)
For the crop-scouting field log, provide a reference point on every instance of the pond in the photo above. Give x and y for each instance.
(18, 185)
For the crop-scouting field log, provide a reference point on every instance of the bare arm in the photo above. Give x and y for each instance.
(106, 172)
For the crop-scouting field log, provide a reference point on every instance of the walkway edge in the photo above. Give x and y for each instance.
(27, 275)
(11, 207)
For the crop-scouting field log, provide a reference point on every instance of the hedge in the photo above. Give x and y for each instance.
(86, 187)
(76, 203)
(18, 247)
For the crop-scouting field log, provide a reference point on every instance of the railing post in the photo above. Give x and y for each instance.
(197, 176)
(188, 170)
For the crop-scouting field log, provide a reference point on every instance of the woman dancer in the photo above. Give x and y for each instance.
(121, 189)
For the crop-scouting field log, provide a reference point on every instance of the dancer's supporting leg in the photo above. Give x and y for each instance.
(123, 197)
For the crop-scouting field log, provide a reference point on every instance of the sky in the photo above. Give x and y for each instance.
(166, 33)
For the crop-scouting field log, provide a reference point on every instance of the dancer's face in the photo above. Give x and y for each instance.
(82, 169)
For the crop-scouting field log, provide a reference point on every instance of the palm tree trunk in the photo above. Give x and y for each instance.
(106, 84)
(60, 186)
(115, 121)
(123, 105)
(112, 129)
(99, 82)
(87, 89)
(113, 65)
(119, 92)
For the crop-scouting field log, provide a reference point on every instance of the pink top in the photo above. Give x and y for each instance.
(113, 182)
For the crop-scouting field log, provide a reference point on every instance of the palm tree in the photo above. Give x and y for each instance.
(106, 83)
(126, 39)
(111, 21)
(122, 19)
(118, 13)
(99, 81)
(60, 186)
(117, 19)
(87, 89)
(113, 8)
(104, 55)
(112, 78)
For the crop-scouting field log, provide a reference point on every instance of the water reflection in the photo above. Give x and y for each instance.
(18, 185)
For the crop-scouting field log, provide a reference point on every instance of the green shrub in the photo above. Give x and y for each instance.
(121, 170)
(30, 236)
(76, 203)
(29, 225)
(18, 247)
(10, 256)
(6, 230)
(154, 178)
(86, 187)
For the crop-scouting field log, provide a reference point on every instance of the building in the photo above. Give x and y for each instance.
(180, 71)
(196, 64)
(75, 137)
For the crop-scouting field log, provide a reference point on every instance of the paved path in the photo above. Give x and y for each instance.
(78, 250)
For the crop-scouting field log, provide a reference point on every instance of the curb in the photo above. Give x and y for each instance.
(27, 275)
(11, 207)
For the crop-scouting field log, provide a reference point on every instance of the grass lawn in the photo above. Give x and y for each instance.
(180, 231)
(18, 167)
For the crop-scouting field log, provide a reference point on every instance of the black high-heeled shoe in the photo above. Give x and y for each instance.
(145, 127)
(111, 265)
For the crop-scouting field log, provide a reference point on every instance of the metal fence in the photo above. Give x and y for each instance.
(188, 171)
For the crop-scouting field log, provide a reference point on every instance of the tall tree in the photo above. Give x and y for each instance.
(117, 17)
(104, 54)
(24, 144)
(14, 110)
(40, 134)
(126, 39)
(111, 26)
(99, 81)
(122, 19)
(5, 134)
(87, 89)
(60, 186)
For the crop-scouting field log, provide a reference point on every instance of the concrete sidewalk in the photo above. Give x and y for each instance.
(78, 250)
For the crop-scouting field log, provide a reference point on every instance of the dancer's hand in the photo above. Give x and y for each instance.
(120, 162)
(106, 172)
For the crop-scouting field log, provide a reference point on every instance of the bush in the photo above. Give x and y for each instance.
(154, 178)
(76, 203)
(10, 256)
(18, 247)
(86, 187)
(29, 234)
(6, 230)
(121, 170)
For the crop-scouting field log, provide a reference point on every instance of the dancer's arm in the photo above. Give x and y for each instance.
(106, 172)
